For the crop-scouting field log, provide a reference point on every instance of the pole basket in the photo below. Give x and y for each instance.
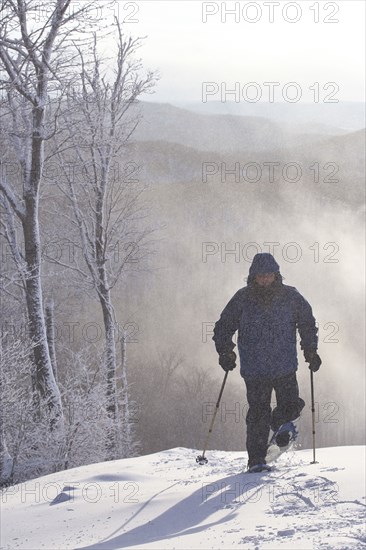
(201, 460)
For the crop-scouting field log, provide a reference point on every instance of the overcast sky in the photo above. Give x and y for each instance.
(188, 51)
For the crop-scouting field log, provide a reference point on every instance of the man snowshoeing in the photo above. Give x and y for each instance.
(267, 315)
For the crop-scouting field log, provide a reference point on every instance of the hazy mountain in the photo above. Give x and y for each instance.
(218, 132)
(324, 118)
(333, 167)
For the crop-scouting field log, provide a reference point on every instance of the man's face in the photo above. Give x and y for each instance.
(265, 279)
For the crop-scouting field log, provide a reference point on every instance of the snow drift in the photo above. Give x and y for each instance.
(166, 500)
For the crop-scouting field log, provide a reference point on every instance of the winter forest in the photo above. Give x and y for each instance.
(128, 223)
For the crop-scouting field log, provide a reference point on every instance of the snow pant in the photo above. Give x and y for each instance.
(260, 418)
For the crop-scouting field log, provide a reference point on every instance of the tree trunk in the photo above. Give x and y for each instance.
(110, 363)
(6, 461)
(44, 378)
(50, 328)
(126, 421)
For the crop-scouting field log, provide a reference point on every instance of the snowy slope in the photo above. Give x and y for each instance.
(166, 500)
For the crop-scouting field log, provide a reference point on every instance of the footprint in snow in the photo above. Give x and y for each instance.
(286, 532)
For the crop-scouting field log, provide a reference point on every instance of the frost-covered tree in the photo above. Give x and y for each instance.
(35, 55)
(22, 427)
(83, 384)
(104, 202)
(83, 388)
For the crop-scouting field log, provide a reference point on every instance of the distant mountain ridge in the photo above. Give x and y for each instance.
(219, 132)
(337, 158)
(326, 118)
(206, 132)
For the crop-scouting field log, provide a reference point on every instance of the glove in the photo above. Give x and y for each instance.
(313, 359)
(227, 360)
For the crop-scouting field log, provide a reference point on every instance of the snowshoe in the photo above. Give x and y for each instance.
(282, 440)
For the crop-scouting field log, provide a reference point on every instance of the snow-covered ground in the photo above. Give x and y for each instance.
(166, 500)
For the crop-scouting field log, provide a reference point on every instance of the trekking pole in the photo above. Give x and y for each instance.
(313, 413)
(201, 459)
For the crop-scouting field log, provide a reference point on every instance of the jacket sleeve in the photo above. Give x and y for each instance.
(306, 324)
(228, 324)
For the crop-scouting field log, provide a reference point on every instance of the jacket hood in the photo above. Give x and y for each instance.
(263, 263)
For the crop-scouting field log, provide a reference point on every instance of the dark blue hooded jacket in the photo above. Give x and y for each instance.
(267, 320)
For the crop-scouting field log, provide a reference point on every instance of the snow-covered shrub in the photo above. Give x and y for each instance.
(28, 448)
